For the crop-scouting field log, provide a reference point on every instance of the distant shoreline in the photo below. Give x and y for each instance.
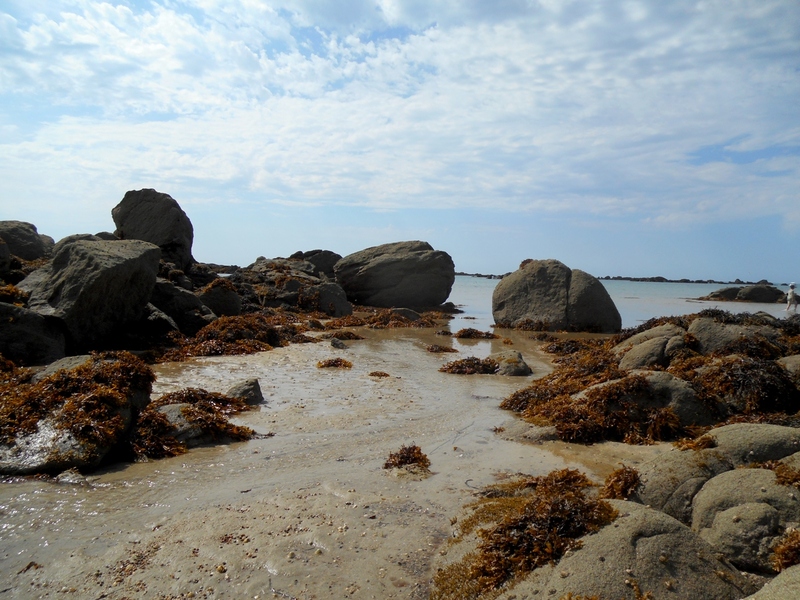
(647, 279)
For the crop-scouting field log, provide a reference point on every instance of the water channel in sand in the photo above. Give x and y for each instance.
(305, 511)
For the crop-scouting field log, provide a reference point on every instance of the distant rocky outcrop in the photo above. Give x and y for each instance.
(323, 261)
(24, 241)
(554, 297)
(401, 274)
(157, 218)
(759, 293)
(94, 287)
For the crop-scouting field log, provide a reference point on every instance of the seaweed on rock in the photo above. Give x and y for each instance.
(437, 348)
(786, 552)
(471, 366)
(407, 456)
(334, 363)
(474, 334)
(620, 484)
(530, 522)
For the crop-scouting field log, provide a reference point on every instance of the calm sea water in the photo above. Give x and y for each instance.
(637, 301)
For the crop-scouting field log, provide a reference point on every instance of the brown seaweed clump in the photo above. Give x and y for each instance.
(475, 334)
(407, 456)
(388, 319)
(379, 374)
(436, 348)
(786, 552)
(86, 401)
(231, 335)
(471, 366)
(334, 363)
(11, 294)
(530, 522)
(155, 437)
(621, 484)
(342, 335)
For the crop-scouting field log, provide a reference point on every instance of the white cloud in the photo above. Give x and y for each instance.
(520, 105)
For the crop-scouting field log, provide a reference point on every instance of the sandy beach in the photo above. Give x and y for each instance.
(306, 510)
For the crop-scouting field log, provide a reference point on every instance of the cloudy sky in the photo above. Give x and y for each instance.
(633, 138)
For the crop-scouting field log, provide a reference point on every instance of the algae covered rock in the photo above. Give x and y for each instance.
(551, 296)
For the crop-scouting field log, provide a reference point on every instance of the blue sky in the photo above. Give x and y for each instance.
(633, 138)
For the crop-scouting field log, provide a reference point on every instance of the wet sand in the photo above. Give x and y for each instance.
(307, 510)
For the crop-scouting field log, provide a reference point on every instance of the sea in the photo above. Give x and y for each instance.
(636, 301)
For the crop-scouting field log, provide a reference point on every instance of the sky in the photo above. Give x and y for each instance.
(621, 137)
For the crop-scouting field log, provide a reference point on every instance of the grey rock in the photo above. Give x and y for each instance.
(323, 261)
(652, 549)
(650, 353)
(27, 338)
(88, 237)
(94, 287)
(157, 218)
(786, 586)
(667, 330)
(713, 336)
(24, 241)
(760, 293)
(745, 534)
(511, 363)
(338, 344)
(328, 297)
(222, 299)
(403, 274)
(790, 363)
(559, 298)
(5, 259)
(182, 306)
(248, 390)
(666, 390)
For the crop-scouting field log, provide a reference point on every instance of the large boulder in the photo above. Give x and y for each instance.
(94, 287)
(24, 241)
(713, 336)
(28, 338)
(402, 274)
(784, 587)
(643, 549)
(554, 297)
(323, 261)
(157, 218)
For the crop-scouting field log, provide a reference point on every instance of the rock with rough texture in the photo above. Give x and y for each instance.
(646, 547)
(554, 297)
(157, 218)
(671, 482)
(786, 586)
(510, 362)
(742, 486)
(94, 287)
(760, 293)
(24, 241)
(666, 390)
(182, 306)
(323, 261)
(745, 534)
(28, 338)
(667, 330)
(713, 336)
(248, 390)
(402, 274)
(790, 363)
(222, 298)
(77, 237)
(5, 259)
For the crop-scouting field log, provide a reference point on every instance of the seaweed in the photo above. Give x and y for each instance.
(334, 363)
(474, 334)
(407, 456)
(343, 335)
(784, 474)
(786, 552)
(11, 294)
(532, 521)
(379, 374)
(348, 321)
(153, 435)
(471, 366)
(436, 348)
(621, 484)
(86, 400)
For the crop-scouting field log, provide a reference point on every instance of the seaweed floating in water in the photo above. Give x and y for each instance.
(407, 456)
(471, 366)
(532, 521)
(334, 363)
